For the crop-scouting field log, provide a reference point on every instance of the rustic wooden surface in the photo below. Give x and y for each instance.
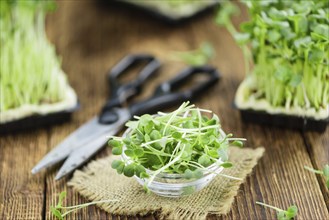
(90, 38)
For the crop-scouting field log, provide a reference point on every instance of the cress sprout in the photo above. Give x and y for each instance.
(197, 57)
(185, 141)
(59, 211)
(288, 214)
(324, 172)
(288, 42)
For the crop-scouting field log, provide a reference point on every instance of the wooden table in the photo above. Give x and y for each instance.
(91, 38)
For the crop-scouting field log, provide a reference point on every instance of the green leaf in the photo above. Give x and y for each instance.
(295, 80)
(188, 174)
(237, 143)
(129, 153)
(277, 14)
(144, 175)
(177, 135)
(212, 121)
(291, 212)
(188, 190)
(326, 170)
(117, 151)
(127, 141)
(281, 215)
(155, 135)
(204, 160)
(116, 163)
(139, 169)
(207, 49)
(288, 34)
(322, 30)
(205, 140)
(227, 10)
(115, 143)
(197, 57)
(227, 165)
(61, 198)
(197, 173)
(132, 124)
(273, 36)
(319, 37)
(120, 168)
(303, 24)
(304, 7)
(305, 41)
(145, 119)
(147, 137)
(283, 74)
(213, 153)
(129, 170)
(56, 213)
(138, 152)
(148, 128)
(242, 38)
(247, 27)
(316, 55)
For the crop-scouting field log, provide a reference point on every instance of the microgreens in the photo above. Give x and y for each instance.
(185, 141)
(197, 57)
(288, 214)
(28, 63)
(60, 211)
(288, 43)
(324, 172)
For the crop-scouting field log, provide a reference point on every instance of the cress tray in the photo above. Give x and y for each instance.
(37, 121)
(163, 16)
(284, 121)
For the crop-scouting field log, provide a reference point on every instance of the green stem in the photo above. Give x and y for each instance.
(313, 170)
(77, 207)
(89, 203)
(269, 206)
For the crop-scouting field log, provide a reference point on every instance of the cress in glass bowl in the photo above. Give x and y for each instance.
(173, 154)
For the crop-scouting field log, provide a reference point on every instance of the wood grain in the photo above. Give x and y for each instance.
(318, 147)
(22, 194)
(91, 38)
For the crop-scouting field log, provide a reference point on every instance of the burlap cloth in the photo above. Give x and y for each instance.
(98, 181)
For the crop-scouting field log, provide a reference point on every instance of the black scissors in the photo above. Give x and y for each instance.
(83, 143)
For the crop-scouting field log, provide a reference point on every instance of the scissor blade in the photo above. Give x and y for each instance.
(83, 152)
(85, 133)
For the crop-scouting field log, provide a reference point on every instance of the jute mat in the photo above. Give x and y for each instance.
(98, 181)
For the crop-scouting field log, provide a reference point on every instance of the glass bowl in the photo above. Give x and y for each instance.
(176, 185)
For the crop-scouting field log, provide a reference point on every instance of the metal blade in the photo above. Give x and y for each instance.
(82, 135)
(84, 151)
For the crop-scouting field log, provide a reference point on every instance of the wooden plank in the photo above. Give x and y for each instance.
(22, 194)
(74, 46)
(88, 50)
(318, 147)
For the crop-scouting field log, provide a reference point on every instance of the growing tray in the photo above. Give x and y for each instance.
(284, 121)
(160, 15)
(37, 121)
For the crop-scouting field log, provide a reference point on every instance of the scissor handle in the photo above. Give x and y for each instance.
(122, 92)
(164, 94)
(133, 87)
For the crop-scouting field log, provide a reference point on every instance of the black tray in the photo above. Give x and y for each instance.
(156, 14)
(37, 121)
(284, 121)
